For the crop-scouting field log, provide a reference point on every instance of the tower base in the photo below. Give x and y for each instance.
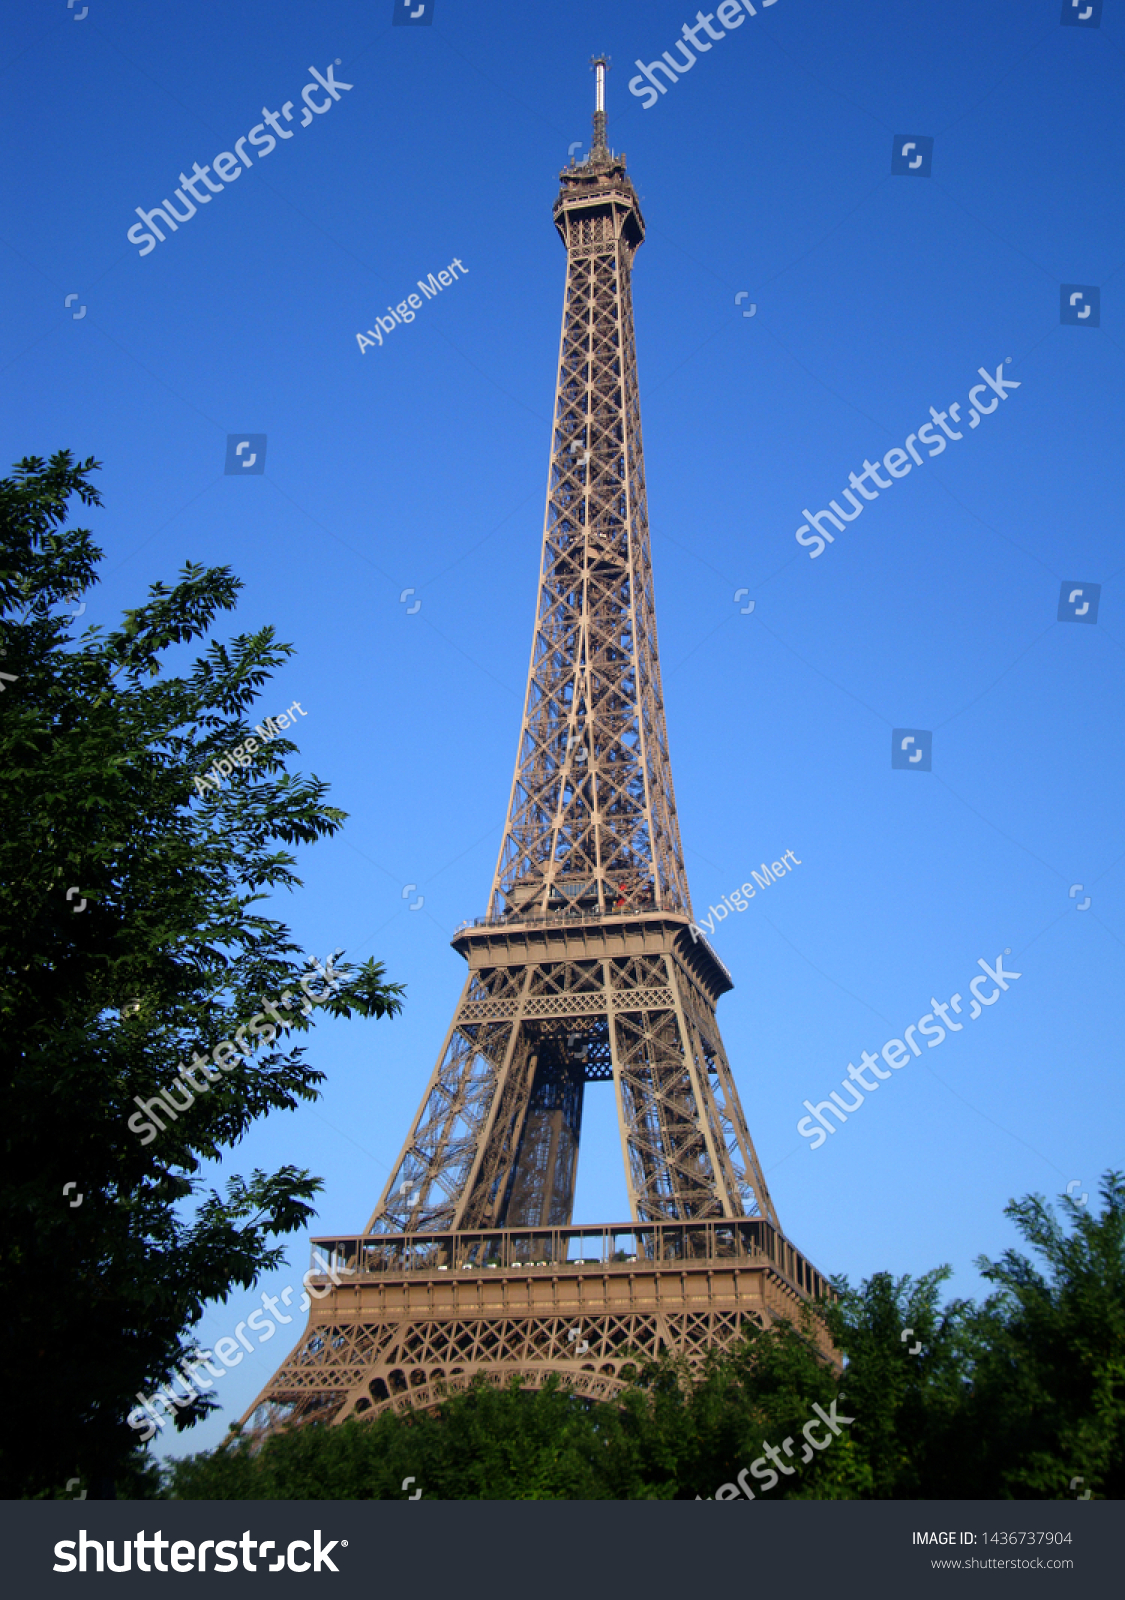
(422, 1315)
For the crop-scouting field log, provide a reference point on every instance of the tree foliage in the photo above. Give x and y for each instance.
(1050, 1380)
(102, 1001)
(1012, 1399)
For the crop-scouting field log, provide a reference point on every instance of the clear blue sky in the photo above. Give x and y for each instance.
(422, 465)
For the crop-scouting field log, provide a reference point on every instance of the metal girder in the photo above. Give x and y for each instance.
(414, 1317)
(584, 969)
(591, 837)
(481, 1137)
(592, 813)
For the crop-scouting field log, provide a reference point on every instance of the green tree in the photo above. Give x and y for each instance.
(483, 1444)
(1049, 1384)
(99, 750)
(668, 1436)
(908, 1380)
(1011, 1399)
(689, 1435)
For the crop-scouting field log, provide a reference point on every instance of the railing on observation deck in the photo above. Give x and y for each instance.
(571, 914)
(564, 914)
(613, 1248)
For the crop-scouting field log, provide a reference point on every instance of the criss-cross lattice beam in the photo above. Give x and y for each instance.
(583, 971)
(591, 834)
(592, 814)
(495, 1143)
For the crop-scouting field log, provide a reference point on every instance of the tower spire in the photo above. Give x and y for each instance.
(599, 150)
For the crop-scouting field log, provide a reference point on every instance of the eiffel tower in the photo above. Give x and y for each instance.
(586, 968)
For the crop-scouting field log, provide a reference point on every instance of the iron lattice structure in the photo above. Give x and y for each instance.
(585, 967)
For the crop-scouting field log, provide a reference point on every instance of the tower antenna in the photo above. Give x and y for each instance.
(598, 148)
